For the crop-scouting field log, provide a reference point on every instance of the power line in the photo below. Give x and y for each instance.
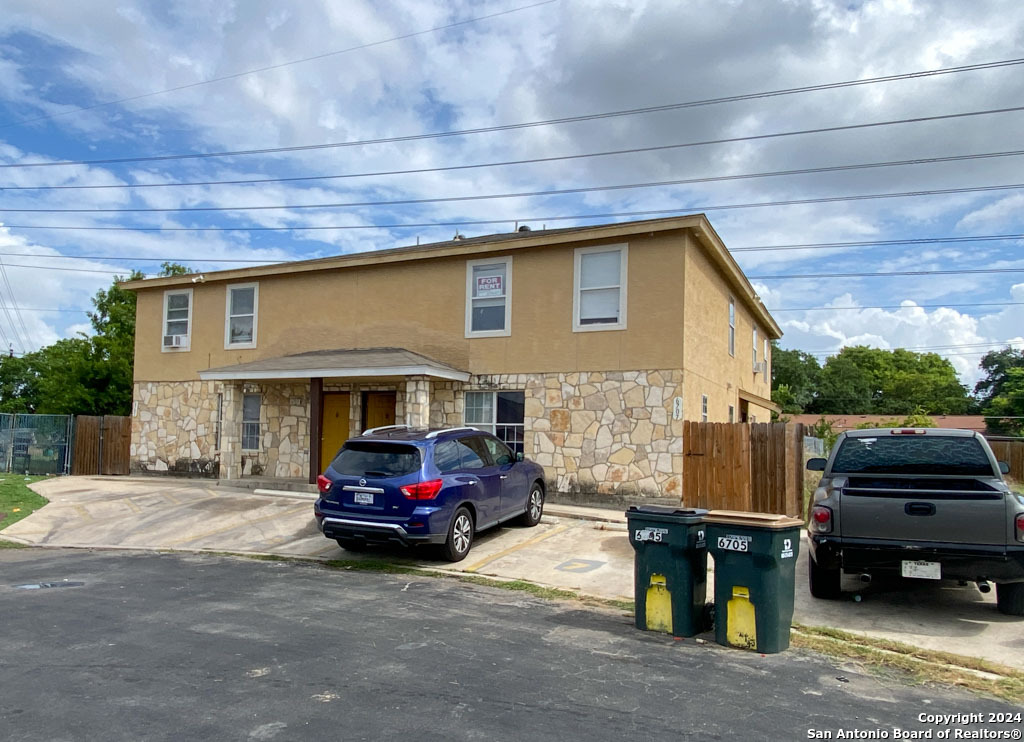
(14, 304)
(310, 59)
(900, 306)
(131, 259)
(875, 243)
(951, 346)
(530, 161)
(122, 271)
(888, 273)
(465, 132)
(517, 220)
(522, 194)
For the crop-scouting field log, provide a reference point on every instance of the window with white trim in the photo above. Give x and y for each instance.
(732, 327)
(488, 301)
(732, 414)
(251, 422)
(240, 315)
(599, 288)
(498, 413)
(764, 357)
(703, 408)
(177, 325)
(755, 348)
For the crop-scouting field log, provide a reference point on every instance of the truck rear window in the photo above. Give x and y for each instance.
(912, 455)
(375, 459)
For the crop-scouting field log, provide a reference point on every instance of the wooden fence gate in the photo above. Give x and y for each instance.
(736, 466)
(102, 444)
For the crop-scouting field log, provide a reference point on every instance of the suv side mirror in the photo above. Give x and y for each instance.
(1004, 467)
(519, 456)
(816, 464)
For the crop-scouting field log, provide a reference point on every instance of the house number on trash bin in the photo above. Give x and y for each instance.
(657, 535)
(734, 543)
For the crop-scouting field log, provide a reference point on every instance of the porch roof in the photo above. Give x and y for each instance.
(352, 362)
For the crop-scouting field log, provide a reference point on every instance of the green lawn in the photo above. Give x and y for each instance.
(17, 501)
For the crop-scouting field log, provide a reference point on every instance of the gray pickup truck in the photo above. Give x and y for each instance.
(928, 503)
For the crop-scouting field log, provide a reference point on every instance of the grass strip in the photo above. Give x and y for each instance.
(17, 501)
(922, 665)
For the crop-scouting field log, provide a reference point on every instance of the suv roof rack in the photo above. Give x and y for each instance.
(435, 433)
(372, 431)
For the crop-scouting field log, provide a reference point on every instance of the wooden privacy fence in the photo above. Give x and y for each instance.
(1010, 450)
(736, 466)
(102, 444)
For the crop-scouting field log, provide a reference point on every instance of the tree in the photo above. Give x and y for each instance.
(861, 380)
(795, 376)
(82, 375)
(996, 364)
(1001, 392)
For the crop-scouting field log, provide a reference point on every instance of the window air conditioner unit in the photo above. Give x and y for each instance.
(761, 367)
(174, 341)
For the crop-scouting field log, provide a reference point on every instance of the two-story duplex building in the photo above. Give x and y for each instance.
(584, 347)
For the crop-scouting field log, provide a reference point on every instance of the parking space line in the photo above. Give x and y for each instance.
(505, 552)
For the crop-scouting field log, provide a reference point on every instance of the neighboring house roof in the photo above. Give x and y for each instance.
(841, 423)
(342, 363)
(504, 242)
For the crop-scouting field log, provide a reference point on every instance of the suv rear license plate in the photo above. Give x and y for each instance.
(922, 570)
(363, 498)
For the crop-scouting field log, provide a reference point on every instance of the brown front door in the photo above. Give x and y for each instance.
(335, 426)
(378, 409)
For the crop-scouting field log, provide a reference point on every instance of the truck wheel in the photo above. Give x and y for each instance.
(824, 583)
(1010, 598)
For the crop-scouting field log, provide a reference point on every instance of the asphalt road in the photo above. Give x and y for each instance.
(177, 647)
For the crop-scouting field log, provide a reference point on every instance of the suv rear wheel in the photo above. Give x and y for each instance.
(460, 536)
(1010, 598)
(824, 583)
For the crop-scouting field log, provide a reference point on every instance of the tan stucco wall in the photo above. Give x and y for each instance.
(707, 365)
(421, 306)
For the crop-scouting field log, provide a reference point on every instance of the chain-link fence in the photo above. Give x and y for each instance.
(35, 444)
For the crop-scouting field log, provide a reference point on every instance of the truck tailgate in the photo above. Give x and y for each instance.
(958, 511)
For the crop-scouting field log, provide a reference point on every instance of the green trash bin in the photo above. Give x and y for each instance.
(670, 568)
(755, 573)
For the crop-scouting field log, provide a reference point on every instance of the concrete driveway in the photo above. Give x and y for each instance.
(566, 550)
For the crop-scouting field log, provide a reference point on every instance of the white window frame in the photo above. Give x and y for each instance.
(754, 344)
(703, 408)
(732, 413)
(767, 345)
(508, 298)
(491, 426)
(163, 327)
(258, 423)
(255, 286)
(732, 327)
(623, 249)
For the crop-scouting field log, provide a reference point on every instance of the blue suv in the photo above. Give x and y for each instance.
(397, 484)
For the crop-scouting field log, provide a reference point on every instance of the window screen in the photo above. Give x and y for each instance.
(599, 287)
(489, 290)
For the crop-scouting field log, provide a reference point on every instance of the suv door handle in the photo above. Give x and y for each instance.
(919, 508)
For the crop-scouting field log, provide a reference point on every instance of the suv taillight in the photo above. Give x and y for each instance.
(422, 490)
(1020, 527)
(821, 519)
(323, 484)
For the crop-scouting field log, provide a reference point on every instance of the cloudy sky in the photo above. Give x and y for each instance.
(91, 80)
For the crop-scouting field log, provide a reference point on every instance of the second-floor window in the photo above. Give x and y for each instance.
(240, 315)
(177, 319)
(732, 327)
(754, 349)
(488, 301)
(599, 296)
(703, 408)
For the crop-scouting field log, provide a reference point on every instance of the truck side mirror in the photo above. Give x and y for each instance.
(1004, 467)
(816, 464)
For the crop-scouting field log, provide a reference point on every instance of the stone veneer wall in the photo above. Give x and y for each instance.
(175, 427)
(602, 433)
